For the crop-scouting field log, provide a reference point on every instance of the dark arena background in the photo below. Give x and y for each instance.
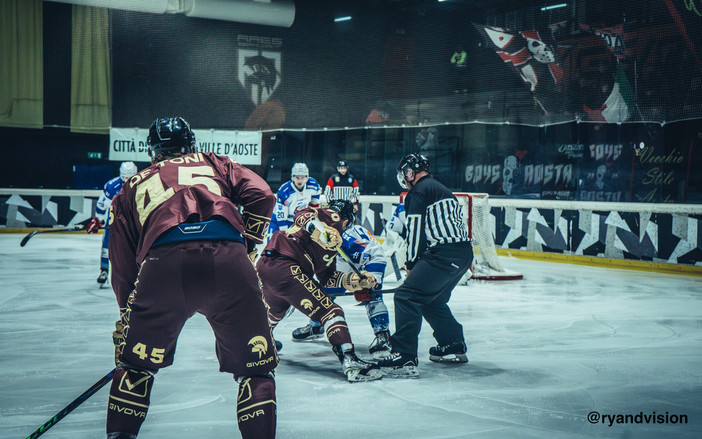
(570, 131)
(580, 100)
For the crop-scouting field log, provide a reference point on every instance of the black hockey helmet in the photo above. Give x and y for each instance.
(345, 209)
(170, 134)
(414, 161)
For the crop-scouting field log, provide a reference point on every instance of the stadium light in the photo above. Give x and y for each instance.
(346, 18)
(559, 5)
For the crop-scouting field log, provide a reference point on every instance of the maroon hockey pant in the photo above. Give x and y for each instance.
(217, 280)
(285, 285)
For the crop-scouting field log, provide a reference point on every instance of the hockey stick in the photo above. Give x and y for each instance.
(70, 407)
(372, 293)
(68, 229)
(348, 260)
(316, 224)
(340, 252)
(393, 257)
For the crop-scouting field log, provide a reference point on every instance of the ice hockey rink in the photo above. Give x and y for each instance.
(548, 355)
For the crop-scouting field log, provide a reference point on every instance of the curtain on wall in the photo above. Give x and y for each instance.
(91, 104)
(21, 64)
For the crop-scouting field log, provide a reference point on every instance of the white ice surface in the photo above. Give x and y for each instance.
(544, 352)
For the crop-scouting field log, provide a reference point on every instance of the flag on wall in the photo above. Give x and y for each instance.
(619, 106)
(533, 59)
(620, 39)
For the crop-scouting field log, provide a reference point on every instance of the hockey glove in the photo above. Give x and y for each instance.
(252, 251)
(362, 295)
(324, 235)
(118, 339)
(253, 254)
(354, 282)
(94, 225)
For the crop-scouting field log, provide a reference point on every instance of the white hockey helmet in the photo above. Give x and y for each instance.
(299, 169)
(126, 170)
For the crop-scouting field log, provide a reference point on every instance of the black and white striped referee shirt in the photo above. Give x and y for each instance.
(434, 217)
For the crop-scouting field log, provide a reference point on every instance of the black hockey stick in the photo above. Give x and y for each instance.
(393, 257)
(372, 292)
(70, 407)
(67, 229)
(348, 260)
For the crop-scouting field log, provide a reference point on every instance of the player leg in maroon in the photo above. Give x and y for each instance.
(175, 281)
(285, 284)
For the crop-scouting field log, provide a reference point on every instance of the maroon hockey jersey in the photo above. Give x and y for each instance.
(296, 243)
(191, 188)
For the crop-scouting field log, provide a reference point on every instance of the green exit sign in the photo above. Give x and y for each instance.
(94, 155)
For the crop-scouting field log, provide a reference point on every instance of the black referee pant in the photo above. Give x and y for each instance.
(426, 292)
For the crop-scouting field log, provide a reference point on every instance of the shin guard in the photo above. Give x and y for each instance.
(256, 407)
(334, 322)
(129, 400)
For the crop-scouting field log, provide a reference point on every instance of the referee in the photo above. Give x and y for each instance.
(439, 252)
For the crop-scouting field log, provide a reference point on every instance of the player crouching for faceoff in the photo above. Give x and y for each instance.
(179, 246)
(287, 267)
(366, 253)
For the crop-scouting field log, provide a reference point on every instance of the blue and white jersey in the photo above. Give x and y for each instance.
(289, 200)
(397, 222)
(365, 252)
(111, 189)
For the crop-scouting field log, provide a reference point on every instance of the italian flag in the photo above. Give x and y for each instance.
(619, 105)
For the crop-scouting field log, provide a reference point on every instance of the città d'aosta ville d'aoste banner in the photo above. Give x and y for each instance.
(129, 144)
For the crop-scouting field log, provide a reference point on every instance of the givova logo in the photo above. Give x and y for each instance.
(306, 303)
(259, 345)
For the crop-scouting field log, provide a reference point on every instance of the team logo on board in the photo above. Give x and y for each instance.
(259, 73)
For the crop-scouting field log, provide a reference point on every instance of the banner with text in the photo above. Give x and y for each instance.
(129, 144)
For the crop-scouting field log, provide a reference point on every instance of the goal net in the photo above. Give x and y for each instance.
(486, 265)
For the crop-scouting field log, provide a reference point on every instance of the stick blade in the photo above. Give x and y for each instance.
(27, 238)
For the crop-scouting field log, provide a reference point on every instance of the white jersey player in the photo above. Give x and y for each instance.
(397, 222)
(102, 208)
(395, 246)
(300, 192)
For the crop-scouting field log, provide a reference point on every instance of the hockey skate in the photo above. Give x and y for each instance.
(121, 436)
(380, 347)
(355, 369)
(399, 365)
(450, 353)
(102, 278)
(308, 332)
